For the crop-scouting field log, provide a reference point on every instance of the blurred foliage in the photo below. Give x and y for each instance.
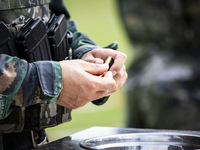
(100, 20)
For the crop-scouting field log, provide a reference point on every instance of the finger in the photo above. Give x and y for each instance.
(119, 60)
(107, 82)
(94, 60)
(96, 69)
(90, 58)
(100, 94)
(108, 74)
(98, 61)
(120, 74)
(120, 79)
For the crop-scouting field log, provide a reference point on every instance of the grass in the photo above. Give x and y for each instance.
(100, 20)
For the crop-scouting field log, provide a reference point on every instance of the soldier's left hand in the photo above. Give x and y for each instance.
(118, 68)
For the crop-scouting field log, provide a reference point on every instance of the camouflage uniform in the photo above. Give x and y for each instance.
(163, 87)
(29, 90)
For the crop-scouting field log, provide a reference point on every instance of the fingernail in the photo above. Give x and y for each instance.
(114, 73)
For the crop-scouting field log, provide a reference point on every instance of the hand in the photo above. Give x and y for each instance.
(100, 54)
(118, 69)
(81, 83)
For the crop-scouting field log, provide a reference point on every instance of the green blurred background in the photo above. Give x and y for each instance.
(99, 19)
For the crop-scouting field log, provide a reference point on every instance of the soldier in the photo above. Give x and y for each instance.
(41, 94)
(163, 85)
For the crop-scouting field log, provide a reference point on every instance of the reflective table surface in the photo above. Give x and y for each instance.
(110, 138)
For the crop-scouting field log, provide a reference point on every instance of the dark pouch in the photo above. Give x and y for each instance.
(57, 35)
(7, 44)
(59, 40)
(33, 45)
(32, 42)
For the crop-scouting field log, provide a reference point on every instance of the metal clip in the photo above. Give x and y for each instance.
(34, 140)
(70, 54)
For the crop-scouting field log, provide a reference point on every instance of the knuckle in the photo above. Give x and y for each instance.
(97, 66)
(115, 90)
(123, 55)
(85, 100)
(126, 75)
(114, 87)
(74, 107)
(77, 105)
(124, 68)
(90, 87)
(121, 74)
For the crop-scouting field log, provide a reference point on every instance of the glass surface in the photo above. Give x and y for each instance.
(144, 141)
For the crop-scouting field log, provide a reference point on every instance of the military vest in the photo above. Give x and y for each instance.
(37, 116)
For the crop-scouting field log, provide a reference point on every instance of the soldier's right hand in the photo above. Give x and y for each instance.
(81, 83)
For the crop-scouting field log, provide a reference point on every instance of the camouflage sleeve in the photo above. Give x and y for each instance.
(24, 84)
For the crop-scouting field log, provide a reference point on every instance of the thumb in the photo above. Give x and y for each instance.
(97, 69)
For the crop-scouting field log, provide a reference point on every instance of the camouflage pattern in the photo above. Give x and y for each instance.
(23, 84)
(16, 4)
(30, 90)
(21, 15)
(163, 88)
